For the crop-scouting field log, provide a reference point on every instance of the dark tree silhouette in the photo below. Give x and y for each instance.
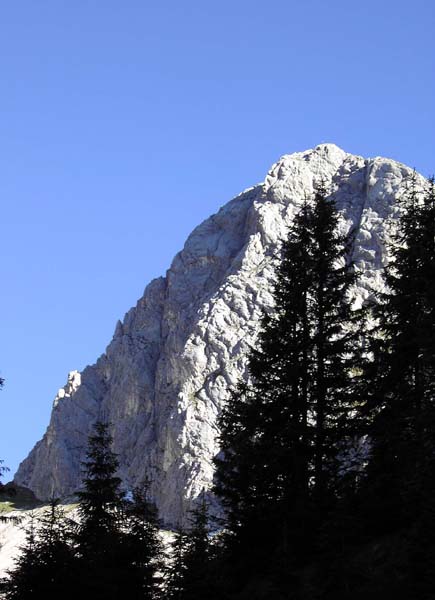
(143, 552)
(401, 378)
(45, 565)
(281, 432)
(176, 567)
(190, 572)
(118, 545)
(100, 538)
(400, 384)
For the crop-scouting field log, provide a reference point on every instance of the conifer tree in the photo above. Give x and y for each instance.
(197, 554)
(100, 539)
(101, 496)
(401, 379)
(45, 565)
(175, 569)
(281, 432)
(20, 580)
(190, 570)
(143, 552)
(118, 546)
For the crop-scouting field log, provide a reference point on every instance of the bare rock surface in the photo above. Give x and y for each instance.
(173, 359)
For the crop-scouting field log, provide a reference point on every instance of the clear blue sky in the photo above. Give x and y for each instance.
(123, 124)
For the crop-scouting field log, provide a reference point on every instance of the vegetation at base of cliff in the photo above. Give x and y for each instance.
(114, 549)
(328, 466)
(327, 470)
(15, 497)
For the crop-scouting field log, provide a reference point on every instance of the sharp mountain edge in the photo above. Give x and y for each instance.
(172, 361)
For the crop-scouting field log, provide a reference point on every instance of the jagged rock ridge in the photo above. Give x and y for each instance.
(169, 367)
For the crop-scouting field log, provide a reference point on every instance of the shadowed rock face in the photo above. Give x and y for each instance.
(172, 361)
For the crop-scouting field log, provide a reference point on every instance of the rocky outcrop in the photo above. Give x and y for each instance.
(173, 359)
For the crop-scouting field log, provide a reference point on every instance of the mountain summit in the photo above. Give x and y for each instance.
(175, 356)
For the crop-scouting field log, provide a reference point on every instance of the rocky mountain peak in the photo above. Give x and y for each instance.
(176, 355)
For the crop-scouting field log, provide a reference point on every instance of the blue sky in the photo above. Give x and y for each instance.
(124, 124)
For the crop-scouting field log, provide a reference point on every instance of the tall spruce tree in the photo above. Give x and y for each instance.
(118, 545)
(401, 379)
(101, 496)
(100, 538)
(281, 432)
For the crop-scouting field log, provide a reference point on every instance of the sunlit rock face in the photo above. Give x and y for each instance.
(172, 361)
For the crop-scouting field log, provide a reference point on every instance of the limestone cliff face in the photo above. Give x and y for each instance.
(172, 361)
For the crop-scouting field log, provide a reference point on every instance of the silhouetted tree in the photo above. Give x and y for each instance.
(143, 552)
(118, 546)
(397, 491)
(190, 573)
(175, 569)
(100, 539)
(45, 565)
(281, 432)
(401, 380)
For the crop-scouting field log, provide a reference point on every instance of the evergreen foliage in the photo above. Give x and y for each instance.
(190, 570)
(281, 433)
(307, 518)
(100, 538)
(175, 570)
(143, 553)
(396, 496)
(118, 546)
(401, 379)
(101, 497)
(113, 550)
(45, 566)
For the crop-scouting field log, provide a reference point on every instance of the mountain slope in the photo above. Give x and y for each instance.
(173, 359)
